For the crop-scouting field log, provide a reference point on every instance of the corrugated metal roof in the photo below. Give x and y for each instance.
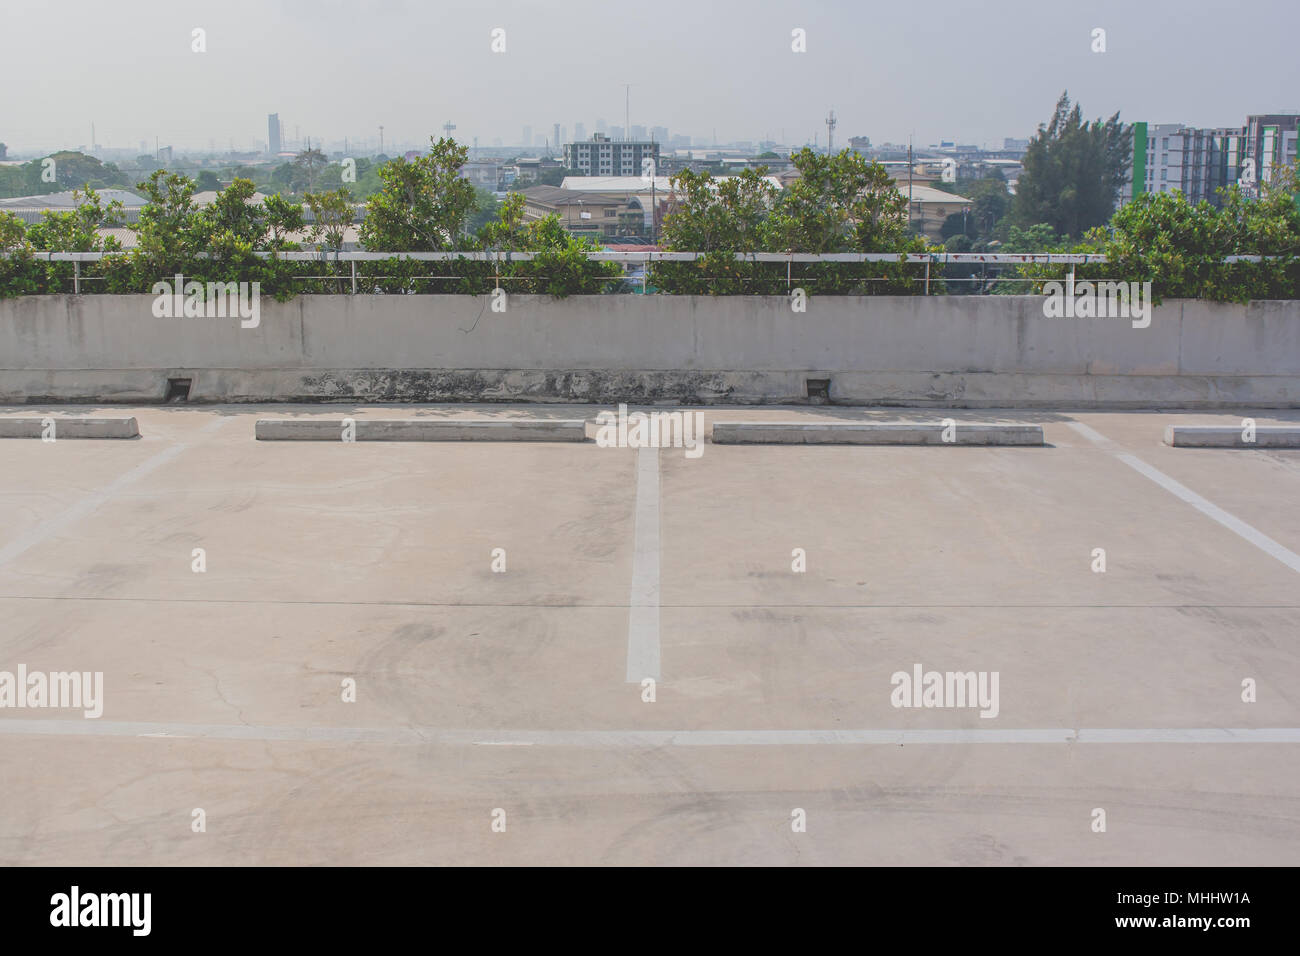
(65, 200)
(209, 196)
(555, 195)
(930, 194)
(632, 184)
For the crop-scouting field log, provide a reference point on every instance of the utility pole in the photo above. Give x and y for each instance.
(830, 133)
(909, 180)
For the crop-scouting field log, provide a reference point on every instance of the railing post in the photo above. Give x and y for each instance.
(927, 276)
(76, 277)
(354, 276)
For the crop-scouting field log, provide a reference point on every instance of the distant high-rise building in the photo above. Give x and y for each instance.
(144, 147)
(638, 132)
(273, 133)
(579, 131)
(601, 156)
(1271, 142)
(556, 140)
(600, 126)
(659, 134)
(1173, 157)
(528, 136)
(616, 132)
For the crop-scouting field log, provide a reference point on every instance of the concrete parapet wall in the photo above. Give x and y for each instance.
(956, 351)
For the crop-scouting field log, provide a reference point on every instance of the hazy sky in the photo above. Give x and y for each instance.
(951, 69)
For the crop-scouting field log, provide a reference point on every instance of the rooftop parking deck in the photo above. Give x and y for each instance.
(521, 689)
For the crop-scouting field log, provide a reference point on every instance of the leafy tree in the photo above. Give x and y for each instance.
(553, 177)
(169, 231)
(718, 218)
(1073, 171)
(1037, 238)
(72, 170)
(487, 208)
(561, 266)
(333, 214)
(709, 215)
(13, 182)
(13, 233)
(282, 218)
(508, 231)
(76, 230)
(307, 167)
(20, 274)
(424, 202)
(840, 203)
(233, 217)
(282, 177)
(990, 203)
(953, 226)
(208, 181)
(1179, 247)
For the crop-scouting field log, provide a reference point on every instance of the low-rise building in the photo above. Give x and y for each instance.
(30, 208)
(484, 175)
(591, 214)
(929, 207)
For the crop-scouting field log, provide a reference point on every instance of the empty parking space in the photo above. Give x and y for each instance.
(354, 652)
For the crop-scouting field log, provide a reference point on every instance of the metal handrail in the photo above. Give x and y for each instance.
(503, 256)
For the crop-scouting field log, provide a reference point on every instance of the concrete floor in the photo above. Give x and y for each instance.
(479, 690)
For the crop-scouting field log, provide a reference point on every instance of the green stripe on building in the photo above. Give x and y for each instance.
(1139, 159)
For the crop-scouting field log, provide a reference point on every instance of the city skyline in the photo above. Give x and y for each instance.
(379, 70)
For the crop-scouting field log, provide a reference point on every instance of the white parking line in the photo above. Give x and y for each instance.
(87, 505)
(649, 738)
(643, 601)
(1205, 507)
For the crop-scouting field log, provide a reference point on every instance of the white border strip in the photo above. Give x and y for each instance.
(643, 600)
(1205, 507)
(648, 738)
(88, 504)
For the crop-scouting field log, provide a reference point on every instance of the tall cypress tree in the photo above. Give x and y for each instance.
(1073, 171)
